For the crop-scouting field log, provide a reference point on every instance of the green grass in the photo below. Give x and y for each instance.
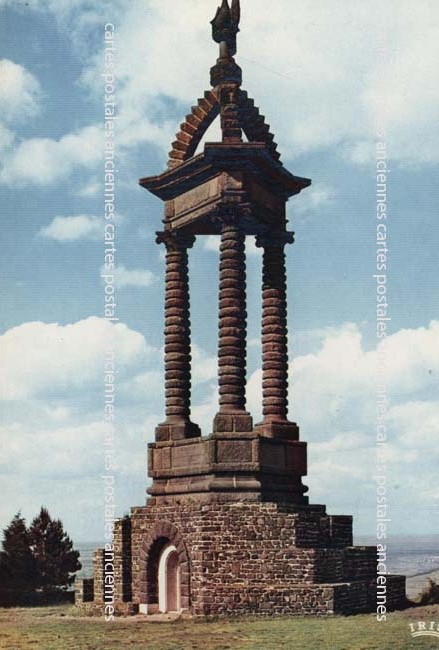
(60, 628)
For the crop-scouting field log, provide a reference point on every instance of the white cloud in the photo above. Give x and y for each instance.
(413, 359)
(20, 99)
(53, 424)
(6, 137)
(342, 375)
(90, 189)
(313, 201)
(38, 358)
(20, 92)
(417, 422)
(134, 277)
(203, 412)
(212, 243)
(42, 161)
(67, 229)
(74, 450)
(38, 161)
(204, 367)
(145, 385)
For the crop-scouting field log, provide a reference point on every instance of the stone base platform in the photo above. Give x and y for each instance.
(264, 558)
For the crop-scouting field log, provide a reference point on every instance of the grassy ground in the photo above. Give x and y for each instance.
(58, 628)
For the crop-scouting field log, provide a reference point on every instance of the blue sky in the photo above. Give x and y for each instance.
(319, 77)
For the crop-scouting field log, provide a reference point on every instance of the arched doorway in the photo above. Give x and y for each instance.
(159, 557)
(169, 580)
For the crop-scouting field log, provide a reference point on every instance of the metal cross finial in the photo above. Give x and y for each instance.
(225, 27)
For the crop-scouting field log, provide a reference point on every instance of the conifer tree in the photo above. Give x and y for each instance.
(56, 559)
(18, 570)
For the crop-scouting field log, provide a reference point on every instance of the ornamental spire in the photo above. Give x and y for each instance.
(225, 28)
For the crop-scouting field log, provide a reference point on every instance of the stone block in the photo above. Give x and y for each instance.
(225, 422)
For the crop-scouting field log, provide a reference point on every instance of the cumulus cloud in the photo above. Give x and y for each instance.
(38, 161)
(6, 137)
(40, 358)
(417, 422)
(20, 99)
(52, 418)
(67, 229)
(53, 426)
(341, 376)
(133, 277)
(42, 161)
(20, 92)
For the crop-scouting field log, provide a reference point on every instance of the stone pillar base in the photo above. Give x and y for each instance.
(176, 431)
(230, 422)
(244, 466)
(283, 430)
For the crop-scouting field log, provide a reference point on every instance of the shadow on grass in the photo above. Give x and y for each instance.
(9, 598)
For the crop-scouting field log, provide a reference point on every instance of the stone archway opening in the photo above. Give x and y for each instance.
(169, 581)
(164, 579)
(164, 584)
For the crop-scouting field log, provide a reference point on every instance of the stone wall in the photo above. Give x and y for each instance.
(122, 560)
(263, 558)
(98, 575)
(84, 590)
(241, 557)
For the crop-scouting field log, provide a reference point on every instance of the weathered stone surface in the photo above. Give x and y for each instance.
(274, 337)
(84, 590)
(290, 559)
(232, 415)
(287, 560)
(177, 340)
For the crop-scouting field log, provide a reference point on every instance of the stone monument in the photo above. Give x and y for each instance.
(227, 527)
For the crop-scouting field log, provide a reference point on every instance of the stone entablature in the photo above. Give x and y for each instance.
(240, 462)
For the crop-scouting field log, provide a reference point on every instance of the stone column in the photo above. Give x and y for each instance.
(275, 338)
(177, 339)
(232, 415)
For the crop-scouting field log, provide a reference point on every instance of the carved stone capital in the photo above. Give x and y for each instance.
(231, 212)
(175, 240)
(274, 239)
